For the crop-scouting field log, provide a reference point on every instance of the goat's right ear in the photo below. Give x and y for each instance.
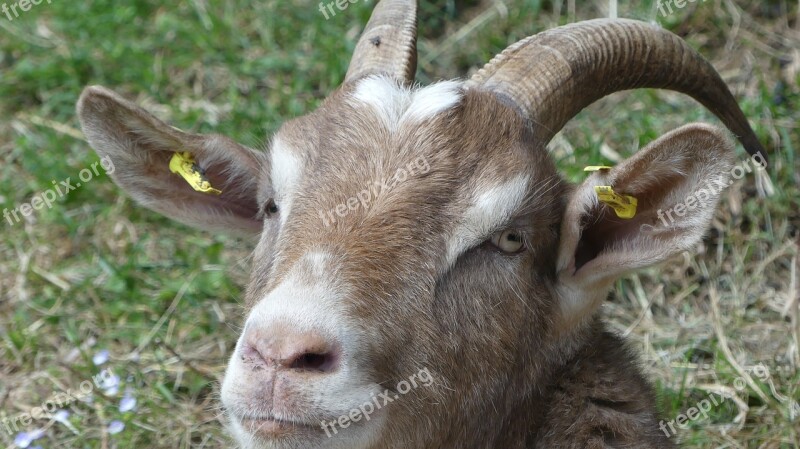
(677, 181)
(138, 149)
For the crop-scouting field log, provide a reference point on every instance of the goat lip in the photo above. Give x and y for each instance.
(271, 427)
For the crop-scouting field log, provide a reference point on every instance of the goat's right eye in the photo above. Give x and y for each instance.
(508, 241)
(269, 208)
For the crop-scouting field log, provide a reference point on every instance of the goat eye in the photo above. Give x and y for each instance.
(269, 208)
(508, 241)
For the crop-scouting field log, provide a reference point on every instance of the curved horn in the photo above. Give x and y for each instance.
(555, 74)
(388, 44)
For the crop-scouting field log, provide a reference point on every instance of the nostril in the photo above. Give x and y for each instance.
(287, 349)
(315, 362)
(310, 352)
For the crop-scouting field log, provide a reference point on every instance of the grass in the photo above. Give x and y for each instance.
(95, 272)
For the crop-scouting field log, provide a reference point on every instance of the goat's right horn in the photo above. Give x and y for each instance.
(553, 75)
(388, 44)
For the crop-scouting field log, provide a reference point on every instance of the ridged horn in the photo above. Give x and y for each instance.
(553, 75)
(388, 44)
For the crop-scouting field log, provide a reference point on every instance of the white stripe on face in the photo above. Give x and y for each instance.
(491, 209)
(285, 171)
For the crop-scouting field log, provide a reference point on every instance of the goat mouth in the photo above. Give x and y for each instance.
(272, 427)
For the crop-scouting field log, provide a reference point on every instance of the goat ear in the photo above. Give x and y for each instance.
(140, 147)
(676, 180)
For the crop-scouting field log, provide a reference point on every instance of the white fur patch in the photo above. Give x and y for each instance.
(433, 100)
(490, 210)
(307, 299)
(388, 99)
(396, 104)
(285, 172)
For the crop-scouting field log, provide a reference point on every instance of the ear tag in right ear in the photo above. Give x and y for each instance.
(597, 168)
(183, 164)
(623, 205)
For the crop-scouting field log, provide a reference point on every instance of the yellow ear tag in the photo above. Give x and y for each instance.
(184, 165)
(597, 168)
(623, 205)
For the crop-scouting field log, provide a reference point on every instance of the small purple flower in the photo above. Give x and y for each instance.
(101, 357)
(115, 427)
(110, 384)
(127, 403)
(24, 439)
(61, 416)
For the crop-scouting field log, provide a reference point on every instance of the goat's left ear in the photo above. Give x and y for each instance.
(676, 181)
(150, 158)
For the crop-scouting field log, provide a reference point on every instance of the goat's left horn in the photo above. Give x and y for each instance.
(553, 75)
(388, 44)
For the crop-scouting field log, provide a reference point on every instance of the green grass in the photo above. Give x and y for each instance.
(97, 272)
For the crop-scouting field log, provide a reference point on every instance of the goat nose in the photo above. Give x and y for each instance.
(293, 350)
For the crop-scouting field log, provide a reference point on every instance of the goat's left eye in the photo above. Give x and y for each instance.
(508, 241)
(269, 208)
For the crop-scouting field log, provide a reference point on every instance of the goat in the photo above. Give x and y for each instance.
(456, 308)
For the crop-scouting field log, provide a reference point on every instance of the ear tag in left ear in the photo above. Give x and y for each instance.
(623, 205)
(597, 168)
(183, 164)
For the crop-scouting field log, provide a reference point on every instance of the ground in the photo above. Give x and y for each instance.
(96, 273)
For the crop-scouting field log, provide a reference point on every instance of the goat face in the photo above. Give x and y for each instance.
(345, 306)
(421, 268)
